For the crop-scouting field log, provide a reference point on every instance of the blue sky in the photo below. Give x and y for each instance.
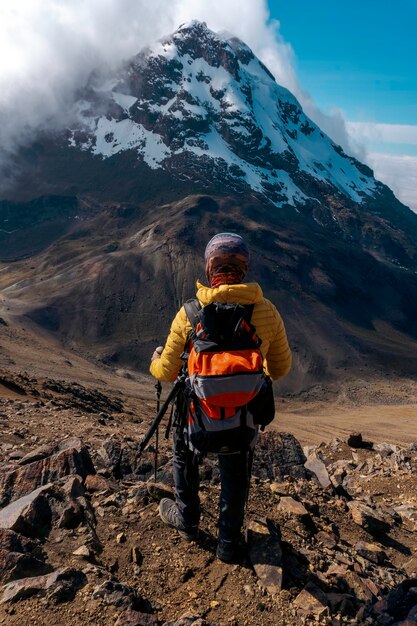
(361, 57)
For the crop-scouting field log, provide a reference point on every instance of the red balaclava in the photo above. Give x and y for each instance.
(227, 259)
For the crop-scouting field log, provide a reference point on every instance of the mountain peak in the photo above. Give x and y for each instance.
(194, 26)
(201, 106)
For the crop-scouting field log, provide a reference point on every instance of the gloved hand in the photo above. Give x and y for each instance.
(157, 353)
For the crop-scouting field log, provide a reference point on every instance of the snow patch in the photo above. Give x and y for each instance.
(112, 136)
(124, 101)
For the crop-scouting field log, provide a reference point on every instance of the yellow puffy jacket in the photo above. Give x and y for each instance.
(265, 317)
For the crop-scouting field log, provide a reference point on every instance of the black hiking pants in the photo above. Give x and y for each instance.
(234, 476)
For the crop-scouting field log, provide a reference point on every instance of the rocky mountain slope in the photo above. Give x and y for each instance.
(102, 235)
(112, 281)
(331, 530)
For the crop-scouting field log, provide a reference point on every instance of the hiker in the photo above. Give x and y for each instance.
(226, 260)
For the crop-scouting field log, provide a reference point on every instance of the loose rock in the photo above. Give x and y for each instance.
(315, 465)
(371, 552)
(265, 554)
(368, 518)
(312, 601)
(69, 578)
(136, 618)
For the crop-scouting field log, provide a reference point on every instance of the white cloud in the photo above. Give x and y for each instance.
(48, 48)
(398, 172)
(387, 147)
(389, 133)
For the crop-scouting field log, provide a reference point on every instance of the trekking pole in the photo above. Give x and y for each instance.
(251, 454)
(158, 392)
(152, 428)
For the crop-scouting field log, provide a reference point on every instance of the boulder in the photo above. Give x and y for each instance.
(359, 586)
(30, 515)
(157, 491)
(72, 486)
(37, 454)
(84, 552)
(410, 566)
(10, 541)
(14, 565)
(385, 449)
(328, 540)
(19, 557)
(343, 603)
(355, 440)
(115, 458)
(53, 504)
(95, 482)
(71, 458)
(408, 514)
(72, 515)
(402, 599)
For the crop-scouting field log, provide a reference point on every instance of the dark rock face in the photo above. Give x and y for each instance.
(72, 458)
(279, 455)
(19, 557)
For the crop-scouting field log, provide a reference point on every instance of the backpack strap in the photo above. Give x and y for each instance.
(192, 309)
(249, 308)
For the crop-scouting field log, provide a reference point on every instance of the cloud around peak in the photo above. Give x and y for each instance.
(48, 48)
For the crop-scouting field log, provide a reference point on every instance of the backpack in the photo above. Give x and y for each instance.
(224, 378)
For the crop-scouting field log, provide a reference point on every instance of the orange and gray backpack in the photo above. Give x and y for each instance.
(226, 385)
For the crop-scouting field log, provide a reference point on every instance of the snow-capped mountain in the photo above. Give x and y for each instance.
(201, 106)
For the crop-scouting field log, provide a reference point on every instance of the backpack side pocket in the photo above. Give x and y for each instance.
(262, 407)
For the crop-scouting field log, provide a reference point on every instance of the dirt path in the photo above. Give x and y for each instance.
(312, 424)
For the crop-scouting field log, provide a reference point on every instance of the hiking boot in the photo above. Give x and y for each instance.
(168, 512)
(229, 551)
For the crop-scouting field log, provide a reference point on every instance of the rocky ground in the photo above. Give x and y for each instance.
(331, 529)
